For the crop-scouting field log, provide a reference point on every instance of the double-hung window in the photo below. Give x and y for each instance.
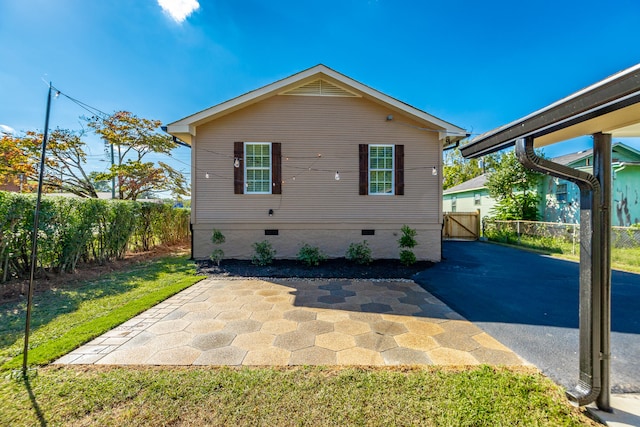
(257, 171)
(257, 168)
(381, 169)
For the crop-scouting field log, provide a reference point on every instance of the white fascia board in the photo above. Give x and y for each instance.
(182, 132)
(246, 99)
(447, 129)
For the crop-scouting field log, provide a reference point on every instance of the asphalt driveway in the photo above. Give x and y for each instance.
(529, 302)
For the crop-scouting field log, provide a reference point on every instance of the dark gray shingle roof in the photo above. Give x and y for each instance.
(473, 183)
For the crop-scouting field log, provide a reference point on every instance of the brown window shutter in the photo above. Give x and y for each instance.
(276, 167)
(364, 169)
(238, 172)
(399, 178)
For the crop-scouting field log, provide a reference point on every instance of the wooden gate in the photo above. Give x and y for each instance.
(461, 225)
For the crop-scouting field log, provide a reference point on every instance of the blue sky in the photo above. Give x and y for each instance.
(476, 64)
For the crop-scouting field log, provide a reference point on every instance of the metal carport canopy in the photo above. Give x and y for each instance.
(610, 106)
(606, 109)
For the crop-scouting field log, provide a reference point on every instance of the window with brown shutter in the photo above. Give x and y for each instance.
(238, 172)
(364, 169)
(276, 167)
(399, 178)
(381, 169)
(259, 168)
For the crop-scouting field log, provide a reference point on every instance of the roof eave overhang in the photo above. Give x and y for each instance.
(611, 106)
(185, 128)
(448, 192)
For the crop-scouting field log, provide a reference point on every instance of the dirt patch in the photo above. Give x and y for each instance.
(332, 268)
(16, 289)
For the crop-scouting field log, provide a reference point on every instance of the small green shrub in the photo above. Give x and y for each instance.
(406, 242)
(264, 253)
(217, 238)
(360, 253)
(216, 256)
(407, 257)
(311, 255)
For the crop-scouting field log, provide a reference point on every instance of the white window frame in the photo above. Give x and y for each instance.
(247, 168)
(392, 170)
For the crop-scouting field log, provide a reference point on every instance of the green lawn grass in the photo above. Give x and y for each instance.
(304, 396)
(625, 259)
(63, 319)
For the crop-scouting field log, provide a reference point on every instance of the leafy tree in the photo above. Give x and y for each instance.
(65, 162)
(457, 169)
(99, 185)
(514, 188)
(17, 159)
(134, 138)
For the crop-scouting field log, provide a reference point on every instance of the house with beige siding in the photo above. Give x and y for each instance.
(315, 158)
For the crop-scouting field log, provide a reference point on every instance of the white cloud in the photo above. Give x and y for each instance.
(179, 10)
(7, 129)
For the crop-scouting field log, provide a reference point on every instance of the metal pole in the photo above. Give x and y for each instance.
(113, 179)
(602, 171)
(34, 240)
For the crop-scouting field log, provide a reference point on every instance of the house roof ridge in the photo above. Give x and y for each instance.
(185, 128)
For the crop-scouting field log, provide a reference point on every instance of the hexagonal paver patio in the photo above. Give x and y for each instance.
(296, 322)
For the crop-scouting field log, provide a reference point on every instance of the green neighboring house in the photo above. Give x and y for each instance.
(470, 196)
(560, 199)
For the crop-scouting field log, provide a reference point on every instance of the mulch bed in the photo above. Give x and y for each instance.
(331, 268)
(229, 268)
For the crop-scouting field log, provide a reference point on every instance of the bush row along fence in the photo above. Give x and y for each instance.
(621, 237)
(88, 230)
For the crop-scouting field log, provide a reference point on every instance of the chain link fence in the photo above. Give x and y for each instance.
(621, 237)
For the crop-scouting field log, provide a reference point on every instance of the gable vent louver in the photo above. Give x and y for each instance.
(319, 88)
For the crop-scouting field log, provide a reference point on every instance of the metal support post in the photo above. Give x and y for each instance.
(589, 384)
(602, 171)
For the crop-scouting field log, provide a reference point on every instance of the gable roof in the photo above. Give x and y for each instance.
(337, 85)
(568, 159)
(476, 183)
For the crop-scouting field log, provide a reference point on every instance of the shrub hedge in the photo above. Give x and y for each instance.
(88, 230)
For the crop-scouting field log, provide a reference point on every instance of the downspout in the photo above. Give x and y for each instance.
(590, 382)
